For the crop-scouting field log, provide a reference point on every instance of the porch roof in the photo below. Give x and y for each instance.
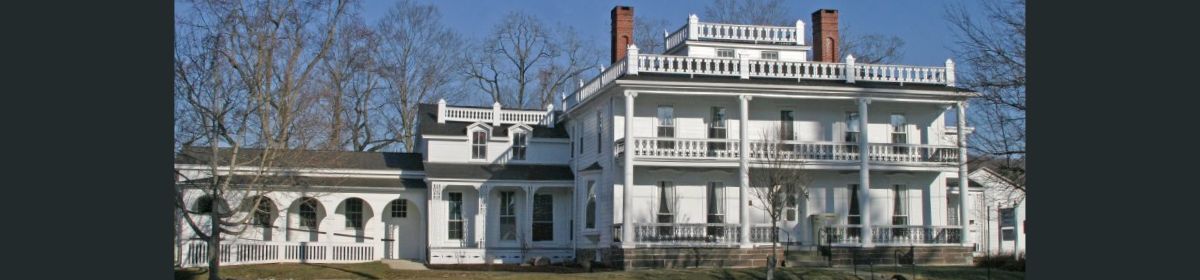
(500, 171)
(319, 181)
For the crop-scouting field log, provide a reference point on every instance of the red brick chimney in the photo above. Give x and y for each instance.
(825, 35)
(622, 31)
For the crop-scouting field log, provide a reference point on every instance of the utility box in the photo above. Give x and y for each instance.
(819, 221)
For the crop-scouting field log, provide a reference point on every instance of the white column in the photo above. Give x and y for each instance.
(744, 169)
(495, 114)
(627, 185)
(481, 221)
(799, 32)
(693, 27)
(864, 173)
(528, 227)
(441, 113)
(963, 181)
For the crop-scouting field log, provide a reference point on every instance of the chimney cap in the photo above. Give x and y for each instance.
(827, 11)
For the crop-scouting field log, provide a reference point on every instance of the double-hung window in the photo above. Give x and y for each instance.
(790, 201)
(666, 207)
(716, 208)
(308, 213)
(508, 216)
(787, 128)
(854, 217)
(899, 210)
(666, 126)
(771, 55)
(590, 212)
(899, 134)
(399, 208)
(543, 217)
(262, 213)
(725, 53)
(354, 213)
(454, 229)
(479, 140)
(853, 128)
(520, 141)
(716, 129)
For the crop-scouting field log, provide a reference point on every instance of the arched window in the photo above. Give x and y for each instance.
(308, 213)
(590, 218)
(203, 205)
(354, 213)
(479, 144)
(262, 211)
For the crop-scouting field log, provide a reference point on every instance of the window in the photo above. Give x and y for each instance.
(854, 218)
(262, 212)
(455, 228)
(354, 213)
(590, 218)
(899, 210)
(543, 217)
(787, 128)
(599, 130)
(666, 126)
(203, 205)
(508, 216)
(790, 202)
(774, 55)
(899, 134)
(728, 53)
(666, 207)
(580, 138)
(1008, 221)
(716, 208)
(716, 129)
(308, 213)
(399, 208)
(479, 144)
(952, 209)
(852, 131)
(520, 140)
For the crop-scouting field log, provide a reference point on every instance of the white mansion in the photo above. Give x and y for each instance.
(648, 165)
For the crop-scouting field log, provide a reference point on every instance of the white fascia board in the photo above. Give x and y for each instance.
(791, 91)
(315, 172)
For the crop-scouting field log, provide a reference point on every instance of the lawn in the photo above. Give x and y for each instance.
(376, 270)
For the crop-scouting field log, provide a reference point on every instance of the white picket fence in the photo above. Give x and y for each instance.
(238, 252)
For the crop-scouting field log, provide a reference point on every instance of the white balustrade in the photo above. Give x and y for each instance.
(677, 38)
(892, 234)
(728, 149)
(742, 32)
(797, 69)
(467, 114)
(900, 73)
(610, 74)
(673, 64)
(195, 252)
(691, 233)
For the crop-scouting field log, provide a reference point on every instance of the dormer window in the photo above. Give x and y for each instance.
(479, 144)
(727, 53)
(520, 140)
(771, 55)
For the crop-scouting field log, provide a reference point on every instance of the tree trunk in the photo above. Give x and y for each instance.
(214, 243)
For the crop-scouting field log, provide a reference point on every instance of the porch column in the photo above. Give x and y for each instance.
(963, 181)
(744, 169)
(864, 174)
(626, 188)
(527, 228)
(481, 221)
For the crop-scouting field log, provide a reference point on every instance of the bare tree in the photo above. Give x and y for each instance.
(648, 34)
(352, 89)
(766, 12)
(419, 63)
(242, 73)
(992, 53)
(524, 62)
(871, 48)
(777, 183)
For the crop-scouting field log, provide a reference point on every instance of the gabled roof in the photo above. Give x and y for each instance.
(531, 172)
(307, 158)
(428, 125)
(298, 181)
(593, 166)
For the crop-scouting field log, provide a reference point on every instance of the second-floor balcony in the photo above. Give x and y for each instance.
(658, 148)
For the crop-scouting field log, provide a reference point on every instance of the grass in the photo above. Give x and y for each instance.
(377, 270)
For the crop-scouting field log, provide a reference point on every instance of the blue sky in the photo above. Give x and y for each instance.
(920, 23)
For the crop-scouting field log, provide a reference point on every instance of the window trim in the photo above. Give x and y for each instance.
(355, 219)
(764, 55)
(520, 142)
(508, 210)
(590, 206)
(658, 126)
(400, 207)
(476, 144)
(450, 217)
(732, 53)
(535, 222)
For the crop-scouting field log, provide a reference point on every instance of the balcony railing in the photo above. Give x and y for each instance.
(696, 30)
(495, 115)
(892, 234)
(698, 234)
(729, 149)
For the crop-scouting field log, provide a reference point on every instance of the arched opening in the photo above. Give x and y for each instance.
(356, 213)
(204, 205)
(305, 219)
(262, 213)
(404, 233)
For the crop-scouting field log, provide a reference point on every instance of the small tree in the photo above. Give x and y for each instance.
(778, 182)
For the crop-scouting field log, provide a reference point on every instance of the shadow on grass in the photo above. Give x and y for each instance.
(359, 273)
(189, 273)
